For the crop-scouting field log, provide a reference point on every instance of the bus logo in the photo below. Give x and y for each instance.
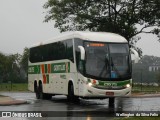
(110, 84)
(61, 67)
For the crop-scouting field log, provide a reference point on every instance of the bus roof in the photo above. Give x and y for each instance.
(85, 35)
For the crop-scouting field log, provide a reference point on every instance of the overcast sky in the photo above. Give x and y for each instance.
(21, 25)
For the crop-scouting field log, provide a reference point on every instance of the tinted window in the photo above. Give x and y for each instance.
(54, 51)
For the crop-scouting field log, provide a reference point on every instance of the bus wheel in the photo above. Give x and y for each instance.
(71, 97)
(111, 101)
(40, 91)
(41, 95)
(37, 92)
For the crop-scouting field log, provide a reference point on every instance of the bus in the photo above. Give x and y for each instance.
(81, 65)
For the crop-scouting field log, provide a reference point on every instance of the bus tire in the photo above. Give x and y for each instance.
(41, 95)
(71, 97)
(37, 93)
(111, 101)
(40, 91)
(36, 90)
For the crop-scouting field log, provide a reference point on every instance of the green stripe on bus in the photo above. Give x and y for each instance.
(119, 83)
(63, 67)
(60, 67)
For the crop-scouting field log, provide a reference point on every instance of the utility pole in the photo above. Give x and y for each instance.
(141, 80)
(12, 72)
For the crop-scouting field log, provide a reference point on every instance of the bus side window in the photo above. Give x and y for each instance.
(78, 42)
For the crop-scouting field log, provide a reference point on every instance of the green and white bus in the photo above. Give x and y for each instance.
(81, 65)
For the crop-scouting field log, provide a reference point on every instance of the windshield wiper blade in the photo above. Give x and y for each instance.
(114, 69)
(105, 66)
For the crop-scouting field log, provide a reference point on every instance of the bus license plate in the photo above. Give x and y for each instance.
(110, 93)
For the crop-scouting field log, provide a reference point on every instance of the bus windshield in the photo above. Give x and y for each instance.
(106, 61)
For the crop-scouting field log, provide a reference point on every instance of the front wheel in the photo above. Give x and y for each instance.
(39, 92)
(71, 97)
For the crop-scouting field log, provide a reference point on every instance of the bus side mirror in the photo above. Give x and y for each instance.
(82, 52)
(134, 55)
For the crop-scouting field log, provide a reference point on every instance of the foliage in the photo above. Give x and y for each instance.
(12, 67)
(158, 77)
(125, 17)
(2, 60)
(24, 60)
(150, 60)
(6, 66)
(141, 71)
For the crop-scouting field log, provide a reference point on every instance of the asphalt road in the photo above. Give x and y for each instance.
(59, 108)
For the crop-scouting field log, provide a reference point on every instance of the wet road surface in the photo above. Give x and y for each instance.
(94, 107)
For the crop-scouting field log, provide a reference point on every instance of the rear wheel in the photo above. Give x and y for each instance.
(37, 93)
(40, 94)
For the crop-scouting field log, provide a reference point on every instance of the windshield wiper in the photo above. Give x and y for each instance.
(106, 66)
(114, 69)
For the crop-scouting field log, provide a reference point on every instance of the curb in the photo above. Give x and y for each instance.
(6, 101)
(14, 102)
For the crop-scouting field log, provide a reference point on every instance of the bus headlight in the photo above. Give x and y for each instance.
(128, 85)
(90, 84)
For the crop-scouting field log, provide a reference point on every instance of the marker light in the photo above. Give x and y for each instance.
(94, 81)
(128, 85)
(89, 84)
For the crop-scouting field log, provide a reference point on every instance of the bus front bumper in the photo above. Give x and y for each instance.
(92, 92)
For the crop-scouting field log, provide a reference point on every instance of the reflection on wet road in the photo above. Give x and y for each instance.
(60, 104)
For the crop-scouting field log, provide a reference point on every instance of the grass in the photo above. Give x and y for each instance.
(145, 89)
(14, 87)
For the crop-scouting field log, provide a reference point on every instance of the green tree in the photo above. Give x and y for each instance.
(2, 66)
(142, 67)
(125, 17)
(24, 60)
(158, 77)
(150, 60)
(10, 67)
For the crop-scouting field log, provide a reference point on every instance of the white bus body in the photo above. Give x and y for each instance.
(81, 64)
